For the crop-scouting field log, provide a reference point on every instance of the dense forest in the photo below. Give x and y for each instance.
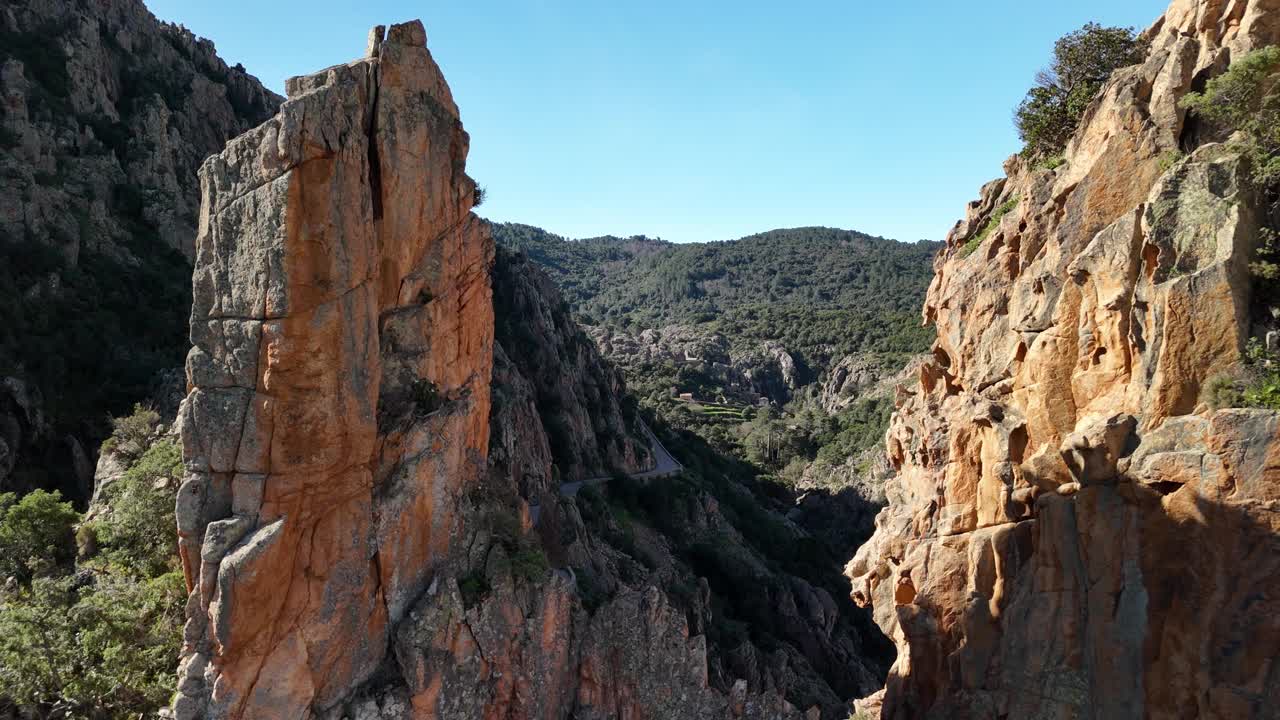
(822, 292)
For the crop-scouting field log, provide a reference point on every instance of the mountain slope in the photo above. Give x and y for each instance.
(821, 292)
(106, 114)
(381, 411)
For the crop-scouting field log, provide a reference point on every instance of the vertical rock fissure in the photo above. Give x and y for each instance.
(375, 165)
(305, 614)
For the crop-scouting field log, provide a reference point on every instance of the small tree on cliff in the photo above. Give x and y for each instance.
(1082, 62)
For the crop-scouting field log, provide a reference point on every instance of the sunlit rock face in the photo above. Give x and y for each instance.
(1071, 532)
(339, 402)
(354, 545)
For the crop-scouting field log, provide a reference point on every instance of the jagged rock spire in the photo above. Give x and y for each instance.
(339, 403)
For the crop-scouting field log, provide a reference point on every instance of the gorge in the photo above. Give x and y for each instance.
(1055, 495)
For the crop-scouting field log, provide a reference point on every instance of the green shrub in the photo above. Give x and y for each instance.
(505, 527)
(1082, 62)
(1051, 162)
(590, 591)
(100, 640)
(1256, 384)
(991, 224)
(36, 534)
(138, 535)
(131, 433)
(426, 397)
(1247, 97)
(1169, 159)
(1223, 391)
(529, 563)
(1262, 389)
(1267, 265)
(474, 587)
(103, 650)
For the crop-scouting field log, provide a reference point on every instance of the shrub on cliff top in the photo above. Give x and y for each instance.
(1082, 62)
(130, 433)
(98, 638)
(992, 223)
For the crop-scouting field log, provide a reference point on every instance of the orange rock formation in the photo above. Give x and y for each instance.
(341, 506)
(1071, 533)
(341, 285)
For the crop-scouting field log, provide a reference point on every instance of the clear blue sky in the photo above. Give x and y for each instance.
(703, 120)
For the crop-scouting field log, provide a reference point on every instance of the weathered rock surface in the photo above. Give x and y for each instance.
(1070, 532)
(343, 331)
(357, 522)
(101, 95)
(767, 370)
(847, 381)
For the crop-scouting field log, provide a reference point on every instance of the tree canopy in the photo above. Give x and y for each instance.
(1082, 61)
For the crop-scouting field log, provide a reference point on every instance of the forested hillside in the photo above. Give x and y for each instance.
(779, 350)
(107, 113)
(821, 292)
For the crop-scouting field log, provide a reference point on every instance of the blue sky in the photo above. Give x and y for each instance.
(703, 120)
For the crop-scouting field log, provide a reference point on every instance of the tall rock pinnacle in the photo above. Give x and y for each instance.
(1071, 533)
(339, 402)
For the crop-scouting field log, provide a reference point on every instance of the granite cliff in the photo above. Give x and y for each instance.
(1071, 531)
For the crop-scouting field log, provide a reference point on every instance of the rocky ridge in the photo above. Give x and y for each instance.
(1071, 532)
(547, 368)
(765, 372)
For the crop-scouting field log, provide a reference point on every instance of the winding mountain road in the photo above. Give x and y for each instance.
(666, 466)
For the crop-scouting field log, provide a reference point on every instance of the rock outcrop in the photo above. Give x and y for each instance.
(103, 95)
(1071, 533)
(766, 370)
(847, 381)
(370, 523)
(343, 330)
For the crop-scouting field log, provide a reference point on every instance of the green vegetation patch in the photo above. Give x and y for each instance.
(990, 225)
(1083, 60)
(819, 291)
(1247, 97)
(95, 636)
(1255, 384)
